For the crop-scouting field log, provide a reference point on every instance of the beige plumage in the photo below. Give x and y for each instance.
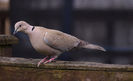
(51, 42)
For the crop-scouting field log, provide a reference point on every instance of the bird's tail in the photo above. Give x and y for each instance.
(87, 45)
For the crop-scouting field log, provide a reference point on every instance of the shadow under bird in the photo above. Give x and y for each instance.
(51, 42)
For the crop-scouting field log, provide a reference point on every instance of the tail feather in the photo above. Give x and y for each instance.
(86, 45)
(92, 46)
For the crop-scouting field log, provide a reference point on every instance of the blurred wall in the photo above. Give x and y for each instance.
(104, 22)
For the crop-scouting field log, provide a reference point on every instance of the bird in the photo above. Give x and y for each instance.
(51, 42)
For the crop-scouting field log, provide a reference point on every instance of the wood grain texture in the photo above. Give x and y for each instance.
(6, 51)
(21, 69)
(6, 42)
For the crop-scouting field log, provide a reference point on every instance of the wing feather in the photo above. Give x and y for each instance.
(60, 41)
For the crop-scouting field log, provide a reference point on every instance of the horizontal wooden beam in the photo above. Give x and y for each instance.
(80, 5)
(103, 4)
(21, 69)
(32, 63)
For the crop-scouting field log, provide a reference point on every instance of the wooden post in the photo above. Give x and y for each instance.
(4, 17)
(6, 42)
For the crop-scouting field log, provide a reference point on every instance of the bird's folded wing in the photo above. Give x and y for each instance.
(60, 41)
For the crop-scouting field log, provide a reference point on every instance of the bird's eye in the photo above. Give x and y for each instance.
(20, 25)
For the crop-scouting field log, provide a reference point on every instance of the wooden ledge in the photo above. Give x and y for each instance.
(64, 65)
(8, 40)
(21, 69)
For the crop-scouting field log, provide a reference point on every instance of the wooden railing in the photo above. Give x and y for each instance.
(6, 42)
(21, 69)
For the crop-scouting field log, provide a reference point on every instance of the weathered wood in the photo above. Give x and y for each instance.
(6, 42)
(20, 69)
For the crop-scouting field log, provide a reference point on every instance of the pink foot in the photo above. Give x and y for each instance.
(43, 60)
(50, 60)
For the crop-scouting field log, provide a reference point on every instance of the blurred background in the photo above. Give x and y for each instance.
(108, 23)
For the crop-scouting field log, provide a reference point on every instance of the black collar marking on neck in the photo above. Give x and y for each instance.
(33, 28)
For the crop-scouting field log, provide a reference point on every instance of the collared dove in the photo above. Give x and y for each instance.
(51, 42)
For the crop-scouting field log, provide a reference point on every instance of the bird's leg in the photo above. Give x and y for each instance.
(51, 59)
(43, 60)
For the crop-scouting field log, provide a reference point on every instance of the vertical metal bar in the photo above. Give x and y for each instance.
(68, 7)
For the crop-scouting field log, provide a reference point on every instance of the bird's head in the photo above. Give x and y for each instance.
(21, 26)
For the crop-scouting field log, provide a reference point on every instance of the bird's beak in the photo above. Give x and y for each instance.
(15, 31)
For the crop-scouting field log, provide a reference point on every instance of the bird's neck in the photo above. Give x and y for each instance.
(29, 29)
(33, 28)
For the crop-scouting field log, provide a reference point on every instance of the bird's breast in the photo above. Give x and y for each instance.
(40, 46)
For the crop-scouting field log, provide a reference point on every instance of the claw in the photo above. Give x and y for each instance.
(50, 60)
(43, 60)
